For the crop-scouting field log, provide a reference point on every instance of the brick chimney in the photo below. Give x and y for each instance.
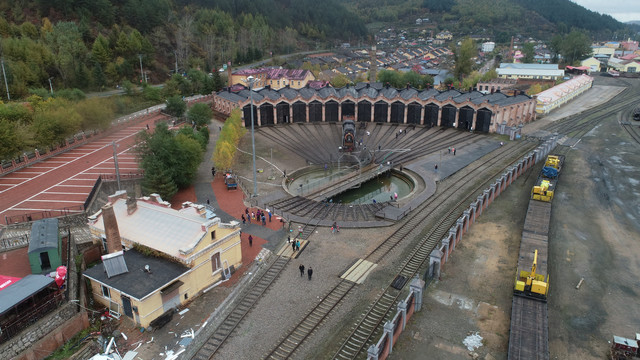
(373, 69)
(229, 74)
(111, 229)
(132, 205)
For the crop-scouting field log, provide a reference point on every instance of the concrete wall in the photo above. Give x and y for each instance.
(440, 254)
(108, 187)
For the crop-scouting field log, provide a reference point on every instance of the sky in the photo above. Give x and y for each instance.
(621, 10)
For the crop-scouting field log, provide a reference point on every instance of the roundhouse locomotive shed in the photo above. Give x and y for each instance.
(380, 104)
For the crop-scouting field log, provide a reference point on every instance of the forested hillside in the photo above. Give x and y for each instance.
(93, 44)
(502, 18)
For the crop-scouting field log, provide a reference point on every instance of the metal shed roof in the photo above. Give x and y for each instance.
(21, 290)
(44, 235)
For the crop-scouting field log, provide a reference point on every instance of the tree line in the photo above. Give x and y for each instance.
(92, 45)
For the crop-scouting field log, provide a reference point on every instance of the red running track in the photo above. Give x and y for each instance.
(65, 180)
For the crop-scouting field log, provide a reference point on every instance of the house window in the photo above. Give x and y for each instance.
(215, 262)
(105, 292)
(298, 83)
(213, 235)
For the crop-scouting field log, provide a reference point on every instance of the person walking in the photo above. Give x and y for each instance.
(244, 220)
(250, 241)
(301, 268)
(449, 149)
(269, 212)
(436, 167)
(264, 220)
(309, 272)
(293, 246)
(297, 245)
(454, 151)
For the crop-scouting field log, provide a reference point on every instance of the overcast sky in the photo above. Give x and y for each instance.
(621, 10)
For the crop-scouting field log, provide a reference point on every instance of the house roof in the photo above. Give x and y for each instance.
(528, 66)
(44, 235)
(137, 282)
(530, 72)
(557, 92)
(159, 227)
(377, 90)
(24, 288)
(272, 73)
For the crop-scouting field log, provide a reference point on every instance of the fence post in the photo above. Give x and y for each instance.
(417, 286)
(435, 258)
(402, 307)
(388, 332)
(372, 352)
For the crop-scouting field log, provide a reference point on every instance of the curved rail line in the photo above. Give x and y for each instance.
(241, 309)
(632, 127)
(583, 122)
(286, 348)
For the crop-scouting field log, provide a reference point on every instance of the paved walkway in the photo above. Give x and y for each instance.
(229, 204)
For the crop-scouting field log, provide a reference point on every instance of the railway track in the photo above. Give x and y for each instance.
(241, 309)
(369, 327)
(578, 125)
(631, 126)
(311, 321)
(412, 227)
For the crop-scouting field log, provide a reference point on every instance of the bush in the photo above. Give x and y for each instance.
(70, 94)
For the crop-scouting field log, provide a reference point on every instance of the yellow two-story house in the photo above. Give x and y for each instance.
(157, 257)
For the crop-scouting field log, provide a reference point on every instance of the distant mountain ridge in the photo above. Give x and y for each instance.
(540, 18)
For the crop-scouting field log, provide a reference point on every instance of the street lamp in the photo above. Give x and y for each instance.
(251, 81)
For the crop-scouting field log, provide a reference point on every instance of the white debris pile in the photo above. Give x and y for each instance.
(473, 341)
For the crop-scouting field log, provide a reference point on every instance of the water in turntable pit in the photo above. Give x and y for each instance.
(381, 189)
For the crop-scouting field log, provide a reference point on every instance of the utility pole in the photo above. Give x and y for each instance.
(251, 81)
(176, 55)
(115, 160)
(5, 79)
(141, 72)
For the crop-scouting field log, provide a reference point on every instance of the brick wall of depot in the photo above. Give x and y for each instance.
(46, 335)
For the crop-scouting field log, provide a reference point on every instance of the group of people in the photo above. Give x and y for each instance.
(452, 150)
(309, 271)
(259, 215)
(295, 244)
(335, 227)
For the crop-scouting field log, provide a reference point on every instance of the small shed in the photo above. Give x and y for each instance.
(26, 301)
(45, 246)
(624, 344)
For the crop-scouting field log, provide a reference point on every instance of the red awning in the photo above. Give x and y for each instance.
(6, 281)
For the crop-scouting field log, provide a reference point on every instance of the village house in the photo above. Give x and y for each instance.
(157, 257)
(530, 71)
(275, 78)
